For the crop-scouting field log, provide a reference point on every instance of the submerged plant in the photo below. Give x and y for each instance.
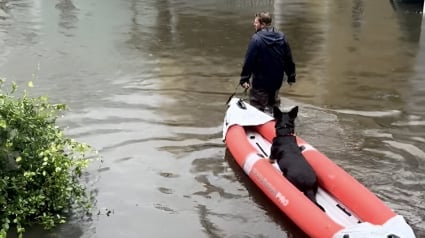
(39, 166)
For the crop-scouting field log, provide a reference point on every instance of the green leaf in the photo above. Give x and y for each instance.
(44, 182)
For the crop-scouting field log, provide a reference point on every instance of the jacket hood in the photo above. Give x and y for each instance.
(270, 36)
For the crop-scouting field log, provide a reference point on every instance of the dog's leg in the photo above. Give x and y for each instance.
(312, 196)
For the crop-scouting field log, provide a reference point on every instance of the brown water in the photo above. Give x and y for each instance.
(146, 82)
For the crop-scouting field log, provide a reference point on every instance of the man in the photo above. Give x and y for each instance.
(267, 59)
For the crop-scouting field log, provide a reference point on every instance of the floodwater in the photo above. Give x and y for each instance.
(146, 83)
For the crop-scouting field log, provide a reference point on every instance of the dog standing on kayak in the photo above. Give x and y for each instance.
(287, 154)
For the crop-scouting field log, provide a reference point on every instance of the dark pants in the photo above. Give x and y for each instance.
(264, 100)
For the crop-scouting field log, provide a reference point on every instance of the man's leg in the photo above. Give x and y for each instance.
(258, 98)
(273, 101)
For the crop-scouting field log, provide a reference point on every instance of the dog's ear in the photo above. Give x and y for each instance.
(293, 112)
(277, 113)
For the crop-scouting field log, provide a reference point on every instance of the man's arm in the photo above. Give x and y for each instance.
(289, 66)
(249, 62)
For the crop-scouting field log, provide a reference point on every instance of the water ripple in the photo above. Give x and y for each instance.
(371, 113)
(409, 148)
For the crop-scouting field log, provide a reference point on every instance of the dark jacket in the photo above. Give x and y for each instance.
(267, 59)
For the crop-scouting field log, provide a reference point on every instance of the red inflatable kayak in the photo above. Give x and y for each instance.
(352, 211)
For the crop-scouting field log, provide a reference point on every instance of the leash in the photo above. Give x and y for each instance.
(245, 94)
(233, 94)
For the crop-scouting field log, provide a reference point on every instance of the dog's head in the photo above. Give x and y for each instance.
(285, 121)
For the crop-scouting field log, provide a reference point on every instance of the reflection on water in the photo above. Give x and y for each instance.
(146, 82)
(68, 18)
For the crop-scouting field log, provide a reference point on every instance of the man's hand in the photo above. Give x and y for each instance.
(245, 85)
(291, 79)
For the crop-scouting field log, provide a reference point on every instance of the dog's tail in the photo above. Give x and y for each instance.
(312, 196)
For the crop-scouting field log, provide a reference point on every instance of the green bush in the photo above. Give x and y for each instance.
(39, 166)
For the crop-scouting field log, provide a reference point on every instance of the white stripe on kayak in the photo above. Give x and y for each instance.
(250, 160)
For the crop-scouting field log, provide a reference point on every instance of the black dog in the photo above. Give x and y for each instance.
(288, 155)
